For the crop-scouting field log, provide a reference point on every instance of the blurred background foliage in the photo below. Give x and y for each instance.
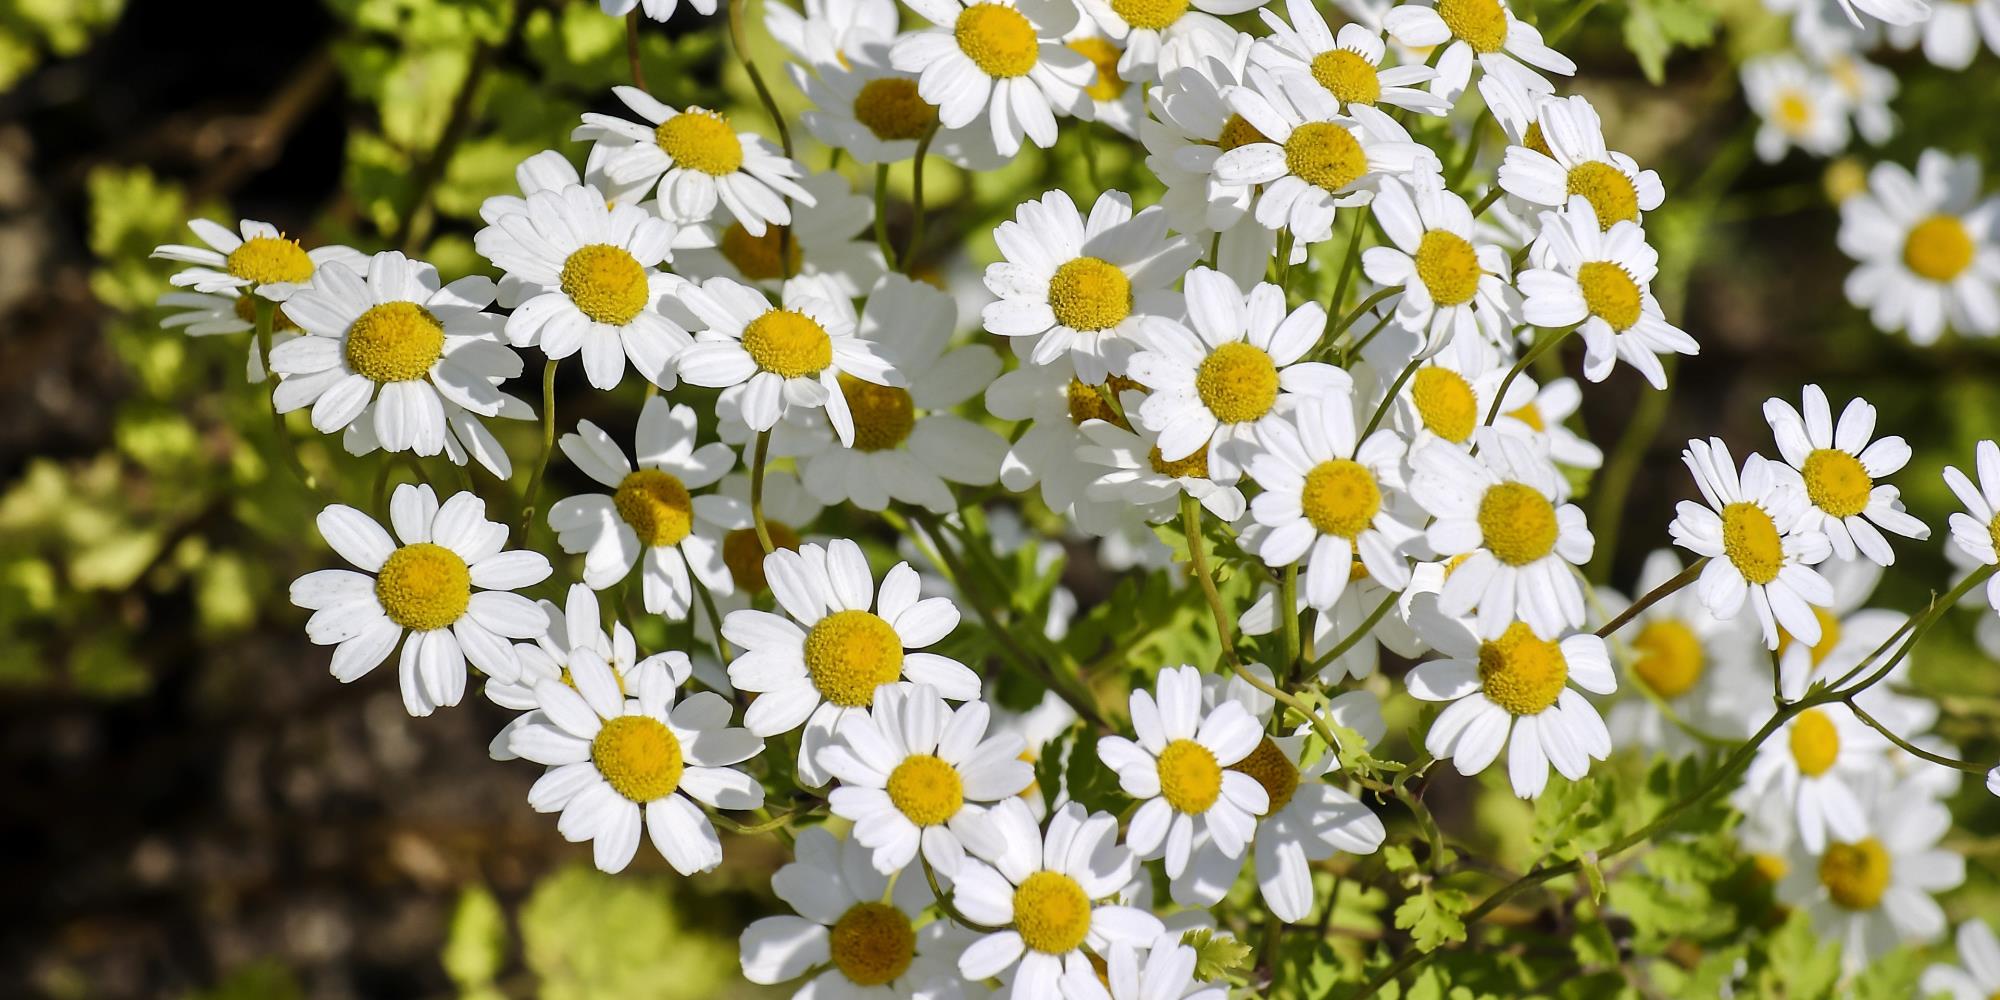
(192, 807)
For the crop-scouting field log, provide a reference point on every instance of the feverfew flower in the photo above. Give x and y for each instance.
(1001, 58)
(1575, 163)
(577, 625)
(1144, 27)
(1750, 532)
(260, 260)
(1485, 31)
(1818, 764)
(1925, 247)
(696, 161)
(1874, 893)
(827, 235)
(422, 588)
(1976, 530)
(1141, 479)
(1837, 467)
(1977, 974)
(1599, 279)
(1179, 770)
(1799, 107)
(1686, 665)
(1310, 157)
(1452, 289)
(1348, 66)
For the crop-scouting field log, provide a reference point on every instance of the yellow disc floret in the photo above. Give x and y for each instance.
(1855, 875)
(1272, 769)
(1238, 382)
(743, 553)
(997, 38)
(423, 587)
(1194, 466)
(1938, 248)
(1090, 294)
(394, 342)
(656, 506)
(1150, 14)
(883, 414)
(1340, 497)
(639, 756)
(699, 139)
(1190, 779)
(262, 260)
(872, 944)
(926, 789)
(1237, 131)
(1481, 24)
(1086, 403)
(1445, 403)
(1108, 85)
(1829, 636)
(890, 107)
(1815, 742)
(1325, 155)
(1521, 672)
(1448, 266)
(607, 283)
(851, 653)
(1348, 76)
(1607, 189)
(1535, 140)
(1750, 540)
(1517, 523)
(788, 343)
(1610, 293)
(1836, 482)
(1670, 660)
(769, 257)
(1051, 912)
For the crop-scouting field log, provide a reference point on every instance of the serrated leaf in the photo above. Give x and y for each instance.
(1217, 956)
(1432, 916)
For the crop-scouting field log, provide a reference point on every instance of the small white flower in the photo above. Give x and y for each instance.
(830, 32)
(1055, 404)
(1190, 126)
(1925, 244)
(1310, 158)
(1348, 66)
(1873, 893)
(1575, 163)
(1450, 394)
(1544, 416)
(1179, 770)
(1750, 532)
(1977, 975)
(260, 260)
(1599, 280)
(206, 314)
(1485, 31)
(1818, 764)
(1976, 530)
(1114, 99)
(827, 235)
(875, 113)
(1867, 89)
(696, 161)
(1799, 107)
(578, 625)
(1687, 665)
(1145, 482)
(998, 58)
(1837, 466)
(1453, 289)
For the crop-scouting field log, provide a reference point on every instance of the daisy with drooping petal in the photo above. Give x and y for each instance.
(650, 512)
(1348, 66)
(1975, 531)
(1144, 27)
(1873, 892)
(827, 235)
(1044, 893)
(1140, 478)
(1112, 98)
(1218, 385)
(1837, 467)
(1179, 771)
(1925, 244)
(257, 259)
(1688, 668)
(1485, 31)
(1514, 690)
(1799, 107)
(578, 624)
(1000, 58)
(833, 33)
(786, 356)
(1310, 158)
(696, 161)
(1600, 281)
(617, 763)
(588, 284)
(1818, 764)
(1453, 289)
(423, 588)
(1577, 164)
(853, 926)
(392, 348)
(1167, 973)
(1977, 974)
(827, 656)
(1757, 551)
(1544, 416)
(1499, 510)
(914, 773)
(1086, 288)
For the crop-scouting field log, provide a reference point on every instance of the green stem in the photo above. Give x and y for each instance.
(1654, 596)
(1288, 619)
(1363, 309)
(882, 215)
(1360, 631)
(757, 463)
(916, 242)
(632, 47)
(1500, 396)
(266, 312)
(740, 40)
(1916, 751)
(1388, 399)
(548, 447)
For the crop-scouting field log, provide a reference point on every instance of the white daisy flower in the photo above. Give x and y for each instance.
(1499, 510)
(466, 437)
(1750, 532)
(588, 284)
(424, 588)
(1348, 66)
(1545, 415)
(1925, 244)
(1329, 499)
(1218, 385)
(1144, 27)
(257, 258)
(1873, 893)
(828, 235)
(999, 58)
(1055, 404)
(1453, 289)
(853, 926)
(1868, 89)
(1600, 280)
(1450, 394)
(827, 655)
(577, 625)
(650, 512)
(1837, 466)
(1310, 157)
(1577, 164)
(1819, 764)
(392, 348)
(1179, 771)
(1514, 691)
(1113, 99)
(1144, 481)
(617, 763)
(1191, 125)
(1687, 665)
(1975, 531)
(785, 357)
(695, 161)
(1485, 31)
(833, 33)
(914, 774)
(1167, 973)
(1977, 974)
(1086, 288)
(658, 10)
(1045, 893)
(1799, 107)
(1952, 35)
(871, 111)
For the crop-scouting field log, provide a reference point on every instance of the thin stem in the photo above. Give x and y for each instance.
(1288, 618)
(780, 821)
(1363, 309)
(1536, 351)
(548, 447)
(632, 48)
(757, 462)
(1923, 624)
(266, 312)
(882, 215)
(1360, 631)
(714, 618)
(944, 901)
(1389, 398)
(1654, 596)
(1486, 202)
(1615, 484)
(1347, 266)
(1569, 23)
(1914, 750)
(740, 40)
(916, 241)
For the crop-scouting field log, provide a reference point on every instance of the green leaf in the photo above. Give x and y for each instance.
(1432, 916)
(1217, 956)
(1653, 28)
(475, 949)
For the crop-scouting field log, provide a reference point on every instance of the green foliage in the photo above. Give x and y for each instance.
(585, 934)
(1217, 956)
(1654, 28)
(1432, 916)
(475, 949)
(33, 29)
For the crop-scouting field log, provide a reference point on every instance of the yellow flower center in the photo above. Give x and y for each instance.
(1347, 75)
(1273, 770)
(262, 260)
(1340, 497)
(423, 587)
(1794, 112)
(1608, 190)
(872, 944)
(769, 257)
(997, 38)
(639, 757)
(788, 343)
(1090, 294)
(1750, 540)
(1855, 875)
(1520, 672)
(1194, 466)
(1670, 658)
(1449, 267)
(246, 310)
(1535, 140)
(1237, 382)
(1772, 868)
(890, 108)
(1815, 742)
(1445, 403)
(1829, 636)
(744, 554)
(1237, 131)
(926, 789)
(883, 415)
(1517, 523)
(1051, 912)
(394, 342)
(1531, 415)
(1190, 779)
(1609, 293)
(1836, 482)
(699, 139)
(851, 653)
(1086, 403)
(656, 505)
(1108, 86)
(1993, 532)
(1151, 14)
(1325, 155)
(1938, 248)
(1481, 24)
(1844, 179)
(606, 283)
